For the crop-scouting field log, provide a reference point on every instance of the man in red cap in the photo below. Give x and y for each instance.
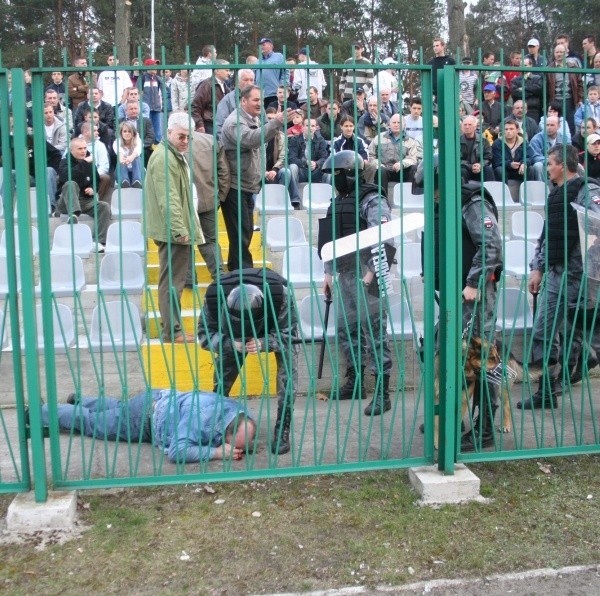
(152, 95)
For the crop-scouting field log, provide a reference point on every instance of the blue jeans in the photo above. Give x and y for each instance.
(156, 119)
(286, 177)
(301, 175)
(107, 417)
(133, 174)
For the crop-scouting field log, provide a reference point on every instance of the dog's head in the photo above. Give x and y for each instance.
(479, 353)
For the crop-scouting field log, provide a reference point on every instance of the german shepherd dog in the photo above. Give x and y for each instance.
(495, 371)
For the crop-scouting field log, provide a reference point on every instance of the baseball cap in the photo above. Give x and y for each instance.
(467, 60)
(533, 42)
(490, 87)
(303, 51)
(151, 62)
(265, 40)
(388, 61)
(358, 44)
(593, 138)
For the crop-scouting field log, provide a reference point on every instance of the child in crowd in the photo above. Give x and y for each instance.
(296, 129)
(129, 148)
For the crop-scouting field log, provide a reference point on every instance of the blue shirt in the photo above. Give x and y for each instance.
(190, 426)
(269, 79)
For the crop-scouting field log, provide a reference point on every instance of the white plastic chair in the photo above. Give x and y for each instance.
(533, 193)
(273, 199)
(283, 232)
(400, 324)
(67, 276)
(125, 236)
(527, 225)
(517, 256)
(312, 313)
(33, 205)
(404, 198)
(302, 267)
(72, 239)
(115, 326)
(408, 257)
(4, 277)
(513, 310)
(121, 272)
(316, 197)
(62, 327)
(501, 195)
(35, 242)
(127, 203)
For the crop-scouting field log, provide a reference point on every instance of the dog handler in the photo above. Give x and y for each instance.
(481, 269)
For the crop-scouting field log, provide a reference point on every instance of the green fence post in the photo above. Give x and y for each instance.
(428, 265)
(450, 304)
(13, 301)
(27, 285)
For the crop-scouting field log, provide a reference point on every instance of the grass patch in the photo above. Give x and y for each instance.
(316, 533)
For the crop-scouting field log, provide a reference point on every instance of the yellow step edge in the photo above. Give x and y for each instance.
(186, 366)
(202, 272)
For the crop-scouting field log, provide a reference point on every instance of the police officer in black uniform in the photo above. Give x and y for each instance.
(251, 311)
(358, 206)
(481, 269)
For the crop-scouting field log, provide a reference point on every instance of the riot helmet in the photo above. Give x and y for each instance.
(344, 166)
(245, 309)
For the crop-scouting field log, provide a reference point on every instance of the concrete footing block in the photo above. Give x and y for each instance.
(436, 488)
(59, 512)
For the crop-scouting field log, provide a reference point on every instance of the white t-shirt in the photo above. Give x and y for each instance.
(112, 84)
(413, 128)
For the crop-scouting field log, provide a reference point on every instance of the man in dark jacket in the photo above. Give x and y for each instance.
(308, 152)
(510, 159)
(558, 261)
(529, 86)
(204, 105)
(77, 177)
(95, 102)
(142, 125)
(475, 153)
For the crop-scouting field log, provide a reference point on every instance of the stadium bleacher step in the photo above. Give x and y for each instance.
(175, 365)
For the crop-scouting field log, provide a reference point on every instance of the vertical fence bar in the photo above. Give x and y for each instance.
(450, 304)
(428, 265)
(27, 285)
(13, 302)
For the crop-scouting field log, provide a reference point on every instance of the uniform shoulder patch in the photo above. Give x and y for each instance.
(488, 223)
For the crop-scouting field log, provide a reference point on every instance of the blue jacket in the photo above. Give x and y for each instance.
(499, 147)
(151, 91)
(190, 426)
(270, 78)
(540, 146)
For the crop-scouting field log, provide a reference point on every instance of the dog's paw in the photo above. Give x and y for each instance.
(506, 429)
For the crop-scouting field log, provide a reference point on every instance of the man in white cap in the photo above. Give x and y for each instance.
(533, 49)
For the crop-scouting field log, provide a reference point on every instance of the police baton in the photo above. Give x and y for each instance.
(535, 297)
(325, 324)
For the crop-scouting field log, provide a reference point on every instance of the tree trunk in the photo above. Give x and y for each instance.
(459, 42)
(122, 25)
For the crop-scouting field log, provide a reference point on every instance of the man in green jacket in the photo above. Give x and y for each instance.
(172, 221)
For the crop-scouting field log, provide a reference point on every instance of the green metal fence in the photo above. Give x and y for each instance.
(102, 336)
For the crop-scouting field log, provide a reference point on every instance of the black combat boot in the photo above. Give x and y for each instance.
(281, 432)
(545, 396)
(346, 391)
(480, 438)
(380, 403)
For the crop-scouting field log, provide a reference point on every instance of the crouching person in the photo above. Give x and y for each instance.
(250, 311)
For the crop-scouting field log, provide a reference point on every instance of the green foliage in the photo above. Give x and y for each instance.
(394, 27)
